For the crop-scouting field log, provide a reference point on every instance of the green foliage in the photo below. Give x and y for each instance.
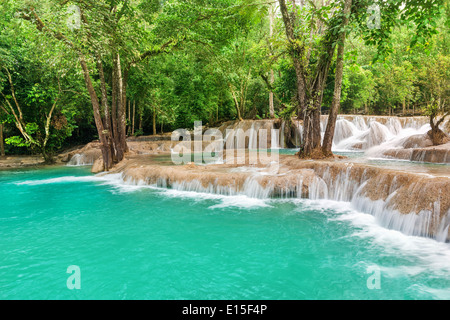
(183, 57)
(17, 141)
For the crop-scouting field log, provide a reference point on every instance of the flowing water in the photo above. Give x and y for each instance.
(142, 242)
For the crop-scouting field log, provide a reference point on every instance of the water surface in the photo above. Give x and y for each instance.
(147, 243)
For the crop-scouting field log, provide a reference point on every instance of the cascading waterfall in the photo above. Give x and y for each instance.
(79, 160)
(414, 204)
(388, 137)
(377, 134)
(344, 130)
(246, 134)
(352, 133)
(275, 139)
(411, 205)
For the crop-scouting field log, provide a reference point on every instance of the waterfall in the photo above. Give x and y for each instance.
(394, 125)
(275, 138)
(360, 123)
(414, 204)
(378, 133)
(426, 222)
(344, 130)
(298, 133)
(253, 139)
(81, 160)
(352, 133)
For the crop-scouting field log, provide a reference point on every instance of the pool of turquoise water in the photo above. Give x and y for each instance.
(136, 242)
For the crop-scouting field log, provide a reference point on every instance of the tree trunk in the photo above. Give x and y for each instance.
(272, 77)
(134, 114)
(2, 146)
(154, 121)
(311, 147)
(271, 103)
(106, 151)
(118, 110)
(106, 111)
(335, 105)
(236, 102)
(129, 118)
(121, 110)
(48, 157)
(141, 116)
(436, 135)
(311, 131)
(115, 131)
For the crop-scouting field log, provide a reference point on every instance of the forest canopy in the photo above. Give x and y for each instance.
(72, 71)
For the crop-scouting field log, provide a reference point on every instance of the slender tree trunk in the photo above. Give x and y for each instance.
(129, 118)
(272, 77)
(335, 105)
(134, 114)
(2, 146)
(121, 107)
(111, 154)
(310, 87)
(154, 121)
(141, 116)
(271, 102)
(106, 151)
(48, 157)
(115, 131)
(236, 102)
(124, 93)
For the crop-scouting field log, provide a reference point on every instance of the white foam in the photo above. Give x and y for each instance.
(420, 256)
(69, 179)
(226, 201)
(433, 255)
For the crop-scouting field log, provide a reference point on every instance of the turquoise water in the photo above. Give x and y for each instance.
(146, 243)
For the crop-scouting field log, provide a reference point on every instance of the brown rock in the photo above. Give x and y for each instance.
(98, 166)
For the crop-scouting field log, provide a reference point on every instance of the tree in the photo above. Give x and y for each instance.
(437, 117)
(360, 88)
(30, 91)
(31, 133)
(113, 144)
(118, 35)
(311, 77)
(313, 31)
(272, 10)
(335, 105)
(435, 82)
